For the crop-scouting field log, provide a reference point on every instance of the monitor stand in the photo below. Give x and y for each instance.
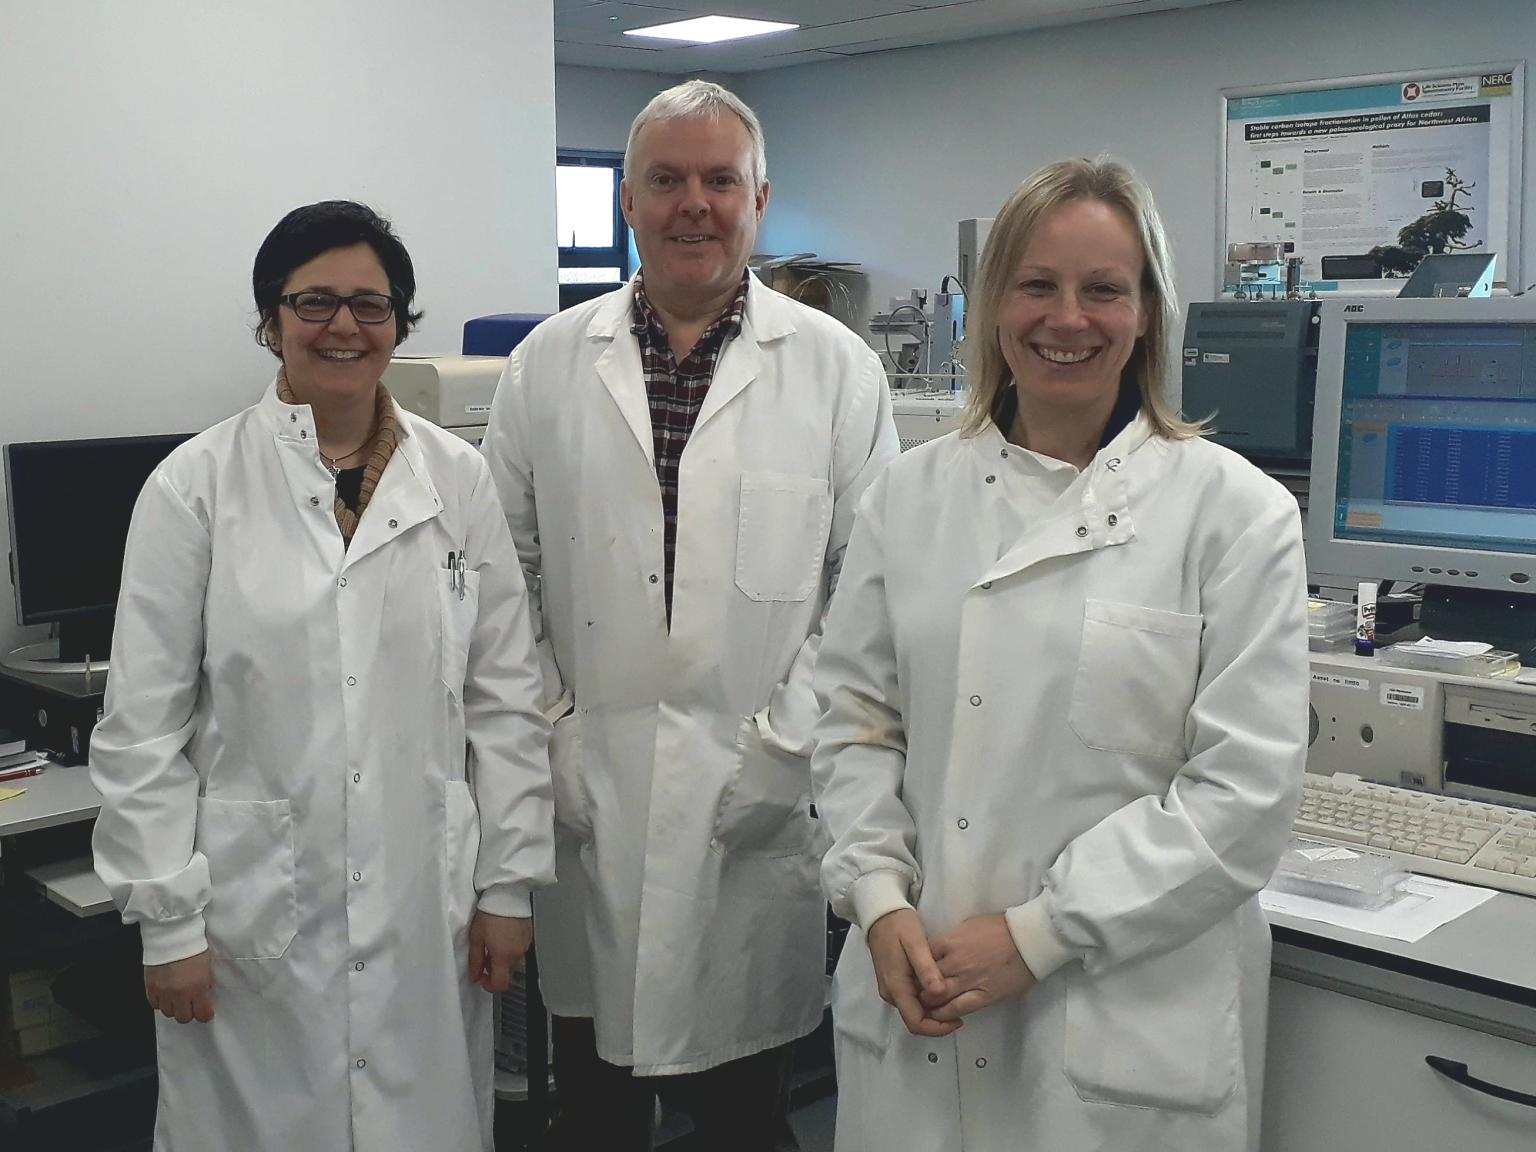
(1506, 620)
(82, 647)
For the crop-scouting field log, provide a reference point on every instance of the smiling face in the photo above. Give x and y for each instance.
(690, 201)
(1073, 311)
(335, 360)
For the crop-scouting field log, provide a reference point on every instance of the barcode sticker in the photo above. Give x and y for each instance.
(1402, 696)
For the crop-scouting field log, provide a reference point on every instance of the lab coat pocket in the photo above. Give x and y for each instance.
(461, 848)
(252, 911)
(1159, 1032)
(765, 807)
(458, 627)
(1136, 675)
(781, 534)
(572, 809)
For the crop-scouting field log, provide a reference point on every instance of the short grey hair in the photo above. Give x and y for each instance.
(701, 99)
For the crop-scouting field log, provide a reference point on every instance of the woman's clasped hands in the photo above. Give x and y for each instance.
(933, 984)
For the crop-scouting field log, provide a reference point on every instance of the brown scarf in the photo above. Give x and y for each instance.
(385, 437)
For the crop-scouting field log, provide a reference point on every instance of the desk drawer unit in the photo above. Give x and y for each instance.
(1347, 1068)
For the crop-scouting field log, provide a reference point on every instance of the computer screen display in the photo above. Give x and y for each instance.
(1428, 412)
(69, 504)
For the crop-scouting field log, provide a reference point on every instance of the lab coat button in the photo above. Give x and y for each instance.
(1113, 519)
(1005, 453)
(394, 523)
(357, 875)
(351, 680)
(342, 582)
(359, 966)
(975, 701)
(962, 823)
(293, 417)
(981, 1062)
(1082, 530)
(303, 433)
(933, 1057)
(314, 501)
(991, 479)
(362, 1063)
(986, 583)
(357, 777)
(653, 577)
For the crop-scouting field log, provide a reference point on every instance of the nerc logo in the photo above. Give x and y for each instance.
(1498, 79)
(1354, 307)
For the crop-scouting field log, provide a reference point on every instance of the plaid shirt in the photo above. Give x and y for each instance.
(676, 392)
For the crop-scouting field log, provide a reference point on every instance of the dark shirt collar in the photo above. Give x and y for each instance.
(1127, 405)
(726, 326)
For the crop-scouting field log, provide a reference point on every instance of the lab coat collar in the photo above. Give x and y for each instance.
(767, 317)
(405, 495)
(1093, 513)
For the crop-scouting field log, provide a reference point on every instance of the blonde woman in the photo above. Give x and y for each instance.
(1064, 687)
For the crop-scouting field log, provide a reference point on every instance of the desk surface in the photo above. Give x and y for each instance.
(59, 794)
(1491, 945)
(1488, 950)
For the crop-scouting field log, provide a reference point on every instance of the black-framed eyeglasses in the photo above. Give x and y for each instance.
(317, 307)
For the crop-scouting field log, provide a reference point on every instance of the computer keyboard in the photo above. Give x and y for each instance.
(1486, 844)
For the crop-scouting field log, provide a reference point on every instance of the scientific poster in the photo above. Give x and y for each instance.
(1342, 168)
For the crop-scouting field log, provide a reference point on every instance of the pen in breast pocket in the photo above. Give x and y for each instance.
(462, 567)
(453, 571)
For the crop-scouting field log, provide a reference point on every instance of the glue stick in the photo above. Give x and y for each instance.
(1365, 619)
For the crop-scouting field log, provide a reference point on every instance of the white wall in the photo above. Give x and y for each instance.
(876, 159)
(594, 106)
(148, 148)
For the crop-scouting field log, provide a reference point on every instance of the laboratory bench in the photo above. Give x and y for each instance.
(1352, 1017)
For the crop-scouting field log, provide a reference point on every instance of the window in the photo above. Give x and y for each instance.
(593, 238)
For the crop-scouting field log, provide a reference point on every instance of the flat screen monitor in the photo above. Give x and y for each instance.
(1424, 443)
(69, 503)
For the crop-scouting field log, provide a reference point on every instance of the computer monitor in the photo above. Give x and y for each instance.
(69, 503)
(1424, 453)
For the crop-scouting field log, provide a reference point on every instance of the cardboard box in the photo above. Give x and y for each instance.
(28, 998)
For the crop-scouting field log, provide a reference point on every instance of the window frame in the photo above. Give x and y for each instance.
(614, 256)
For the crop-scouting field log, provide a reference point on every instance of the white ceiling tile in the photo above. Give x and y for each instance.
(830, 28)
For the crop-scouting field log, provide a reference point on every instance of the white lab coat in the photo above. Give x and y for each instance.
(1080, 699)
(687, 921)
(285, 781)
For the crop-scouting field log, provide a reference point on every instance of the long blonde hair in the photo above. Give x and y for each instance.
(1111, 182)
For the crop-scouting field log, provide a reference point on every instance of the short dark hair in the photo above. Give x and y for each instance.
(313, 229)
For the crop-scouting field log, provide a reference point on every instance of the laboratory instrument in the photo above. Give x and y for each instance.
(1252, 367)
(454, 392)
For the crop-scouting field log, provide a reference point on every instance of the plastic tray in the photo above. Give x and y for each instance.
(1355, 877)
(1405, 655)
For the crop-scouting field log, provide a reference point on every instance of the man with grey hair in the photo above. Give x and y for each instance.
(679, 462)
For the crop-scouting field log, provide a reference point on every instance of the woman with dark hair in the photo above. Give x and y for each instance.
(325, 789)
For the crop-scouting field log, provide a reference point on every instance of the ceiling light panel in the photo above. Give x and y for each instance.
(710, 30)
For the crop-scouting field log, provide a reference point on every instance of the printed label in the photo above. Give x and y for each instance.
(477, 409)
(1218, 358)
(1341, 681)
(1402, 696)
